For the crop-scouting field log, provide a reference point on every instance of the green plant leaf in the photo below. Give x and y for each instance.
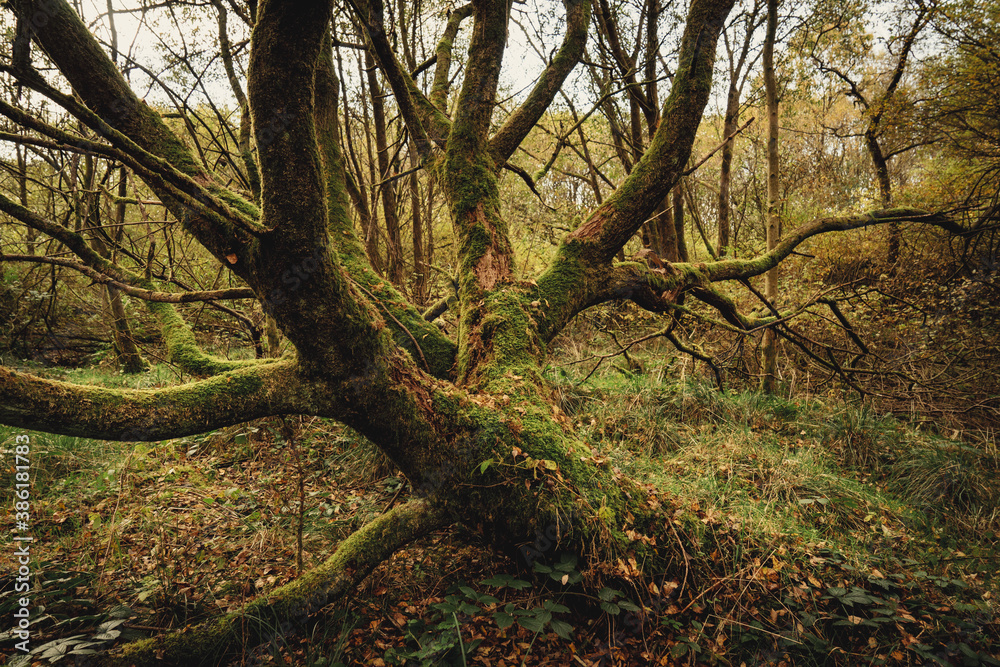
(531, 623)
(503, 620)
(561, 628)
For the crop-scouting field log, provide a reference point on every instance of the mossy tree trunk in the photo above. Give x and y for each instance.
(471, 422)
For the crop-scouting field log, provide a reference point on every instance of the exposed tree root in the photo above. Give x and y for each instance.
(278, 613)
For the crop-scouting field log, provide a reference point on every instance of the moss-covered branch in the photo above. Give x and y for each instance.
(285, 47)
(747, 268)
(87, 411)
(276, 614)
(607, 230)
(183, 349)
(570, 286)
(97, 80)
(406, 321)
(445, 46)
(519, 124)
(477, 99)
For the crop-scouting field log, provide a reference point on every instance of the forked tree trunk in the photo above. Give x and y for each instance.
(473, 424)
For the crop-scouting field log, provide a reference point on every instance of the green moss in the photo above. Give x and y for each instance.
(279, 612)
(236, 202)
(182, 348)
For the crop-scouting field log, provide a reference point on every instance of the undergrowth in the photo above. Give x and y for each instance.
(811, 532)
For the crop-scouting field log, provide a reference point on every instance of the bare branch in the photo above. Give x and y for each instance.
(137, 292)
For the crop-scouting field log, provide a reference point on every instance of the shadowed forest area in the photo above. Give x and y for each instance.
(591, 332)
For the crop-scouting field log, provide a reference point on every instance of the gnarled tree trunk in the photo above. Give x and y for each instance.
(471, 421)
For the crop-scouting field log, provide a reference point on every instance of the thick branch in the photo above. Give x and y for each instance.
(101, 86)
(478, 96)
(87, 411)
(517, 127)
(407, 322)
(442, 72)
(569, 286)
(218, 642)
(613, 224)
(285, 49)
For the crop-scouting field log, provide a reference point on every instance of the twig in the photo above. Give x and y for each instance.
(385, 308)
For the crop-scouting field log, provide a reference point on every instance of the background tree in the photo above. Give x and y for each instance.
(876, 95)
(739, 42)
(773, 225)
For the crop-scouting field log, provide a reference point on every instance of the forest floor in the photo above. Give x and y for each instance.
(816, 533)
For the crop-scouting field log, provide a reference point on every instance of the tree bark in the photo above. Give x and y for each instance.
(769, 352)
(386, 187)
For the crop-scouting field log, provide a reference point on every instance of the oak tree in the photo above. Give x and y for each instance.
(469, 419)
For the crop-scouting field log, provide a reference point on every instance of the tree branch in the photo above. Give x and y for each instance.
(270, 617)
(261, 390)
(137, 292)
(607, 230)
(746, 268)
(442, 74)
(519, 124)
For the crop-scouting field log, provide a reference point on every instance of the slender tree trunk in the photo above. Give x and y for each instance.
(770, 351)
(881, 166)
(394, 243)
(22, 193)
(372, 234)
(420, 268)
(667, 232)
(355, 187)
(725, 175)
(129, 358)
(431, 196)
(678, 203)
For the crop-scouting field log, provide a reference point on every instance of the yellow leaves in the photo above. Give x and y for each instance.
(628, 569)
(639, 537)
(547, 464)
